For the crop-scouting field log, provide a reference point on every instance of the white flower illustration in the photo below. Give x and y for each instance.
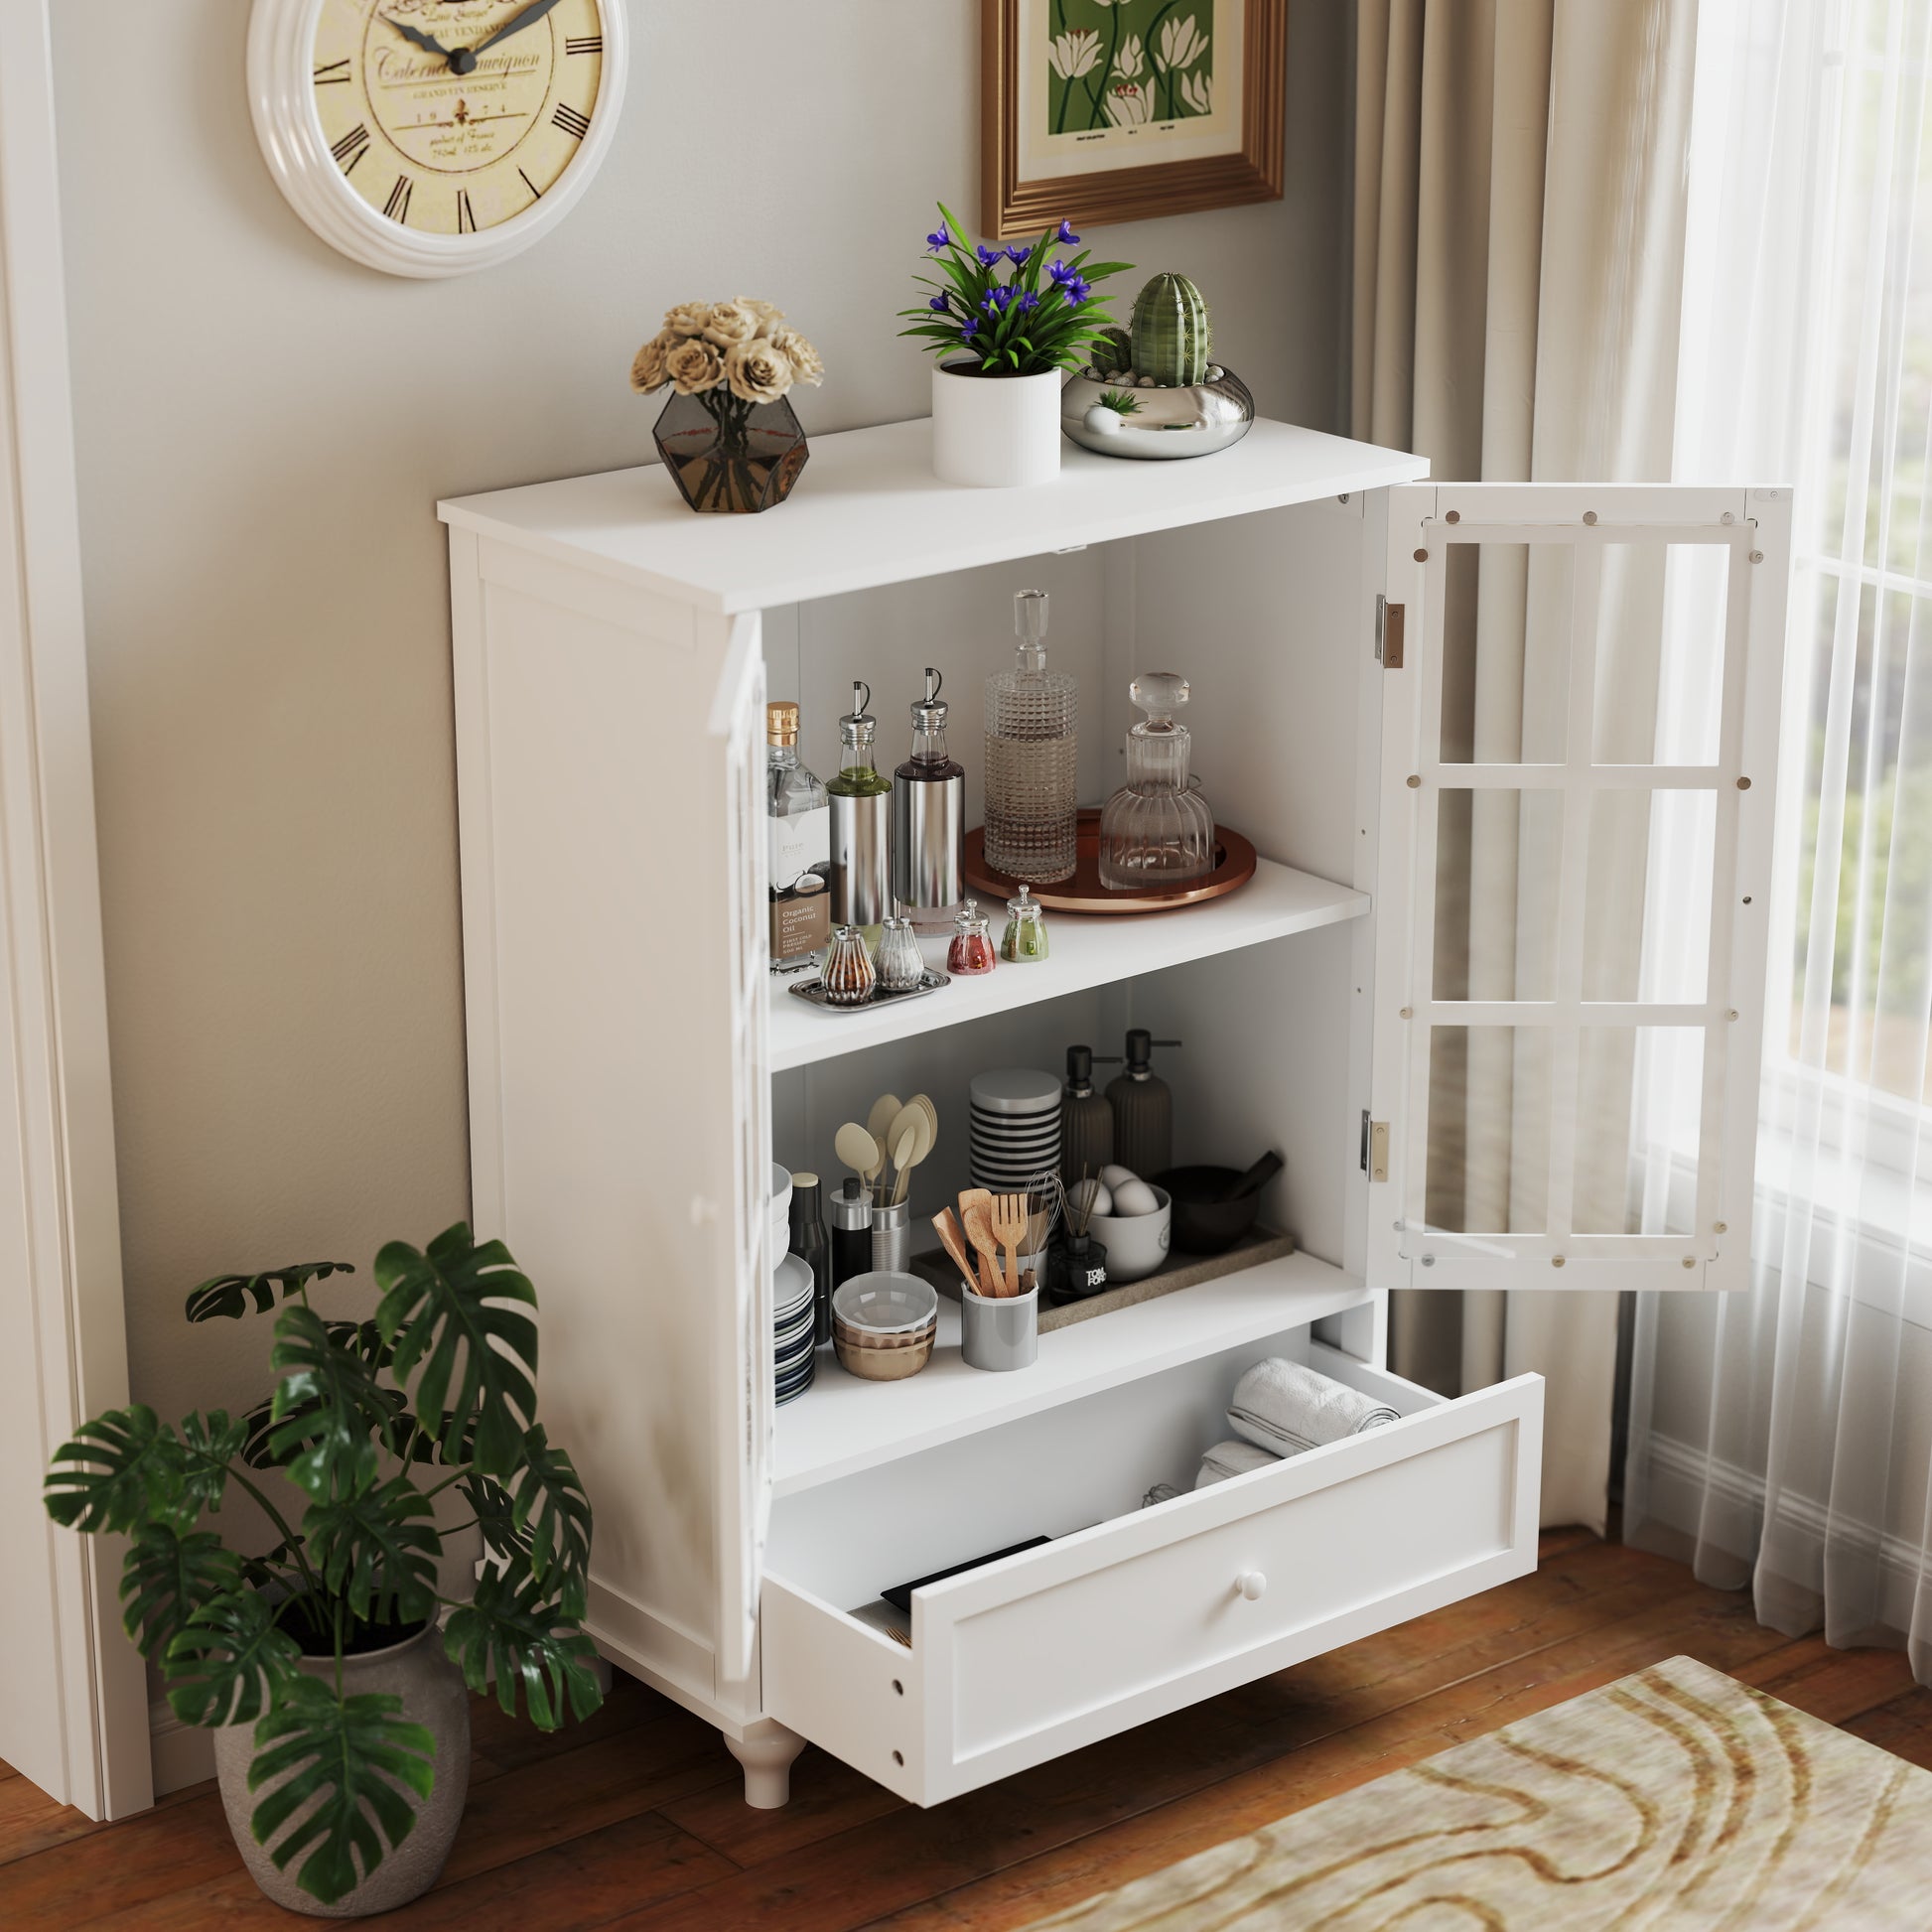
(1198, 91)
(1126, 106)
(1181, 44)
(1127, 61)
(1074, 54)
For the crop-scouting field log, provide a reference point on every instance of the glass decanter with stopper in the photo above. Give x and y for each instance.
(1031, 758)
(1156, 830)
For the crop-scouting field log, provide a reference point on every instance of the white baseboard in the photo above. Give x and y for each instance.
(1694, 1493)
(184, 1754)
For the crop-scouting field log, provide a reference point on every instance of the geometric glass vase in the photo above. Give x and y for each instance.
(728, 455)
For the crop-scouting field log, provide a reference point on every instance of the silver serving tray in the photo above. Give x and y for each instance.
(812, 992)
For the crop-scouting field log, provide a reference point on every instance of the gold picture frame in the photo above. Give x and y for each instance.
(1142, 137)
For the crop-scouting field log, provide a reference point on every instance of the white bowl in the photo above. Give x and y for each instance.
(1136, 1244)
(885, 1302)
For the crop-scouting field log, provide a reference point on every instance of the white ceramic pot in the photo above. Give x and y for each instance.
(995, 432)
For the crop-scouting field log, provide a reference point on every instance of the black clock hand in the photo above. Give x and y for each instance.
(527, 17)
(422, 40)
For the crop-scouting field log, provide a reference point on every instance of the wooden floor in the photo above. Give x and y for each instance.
(636, 1819)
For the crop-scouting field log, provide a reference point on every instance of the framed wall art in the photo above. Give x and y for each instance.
(1113, 110)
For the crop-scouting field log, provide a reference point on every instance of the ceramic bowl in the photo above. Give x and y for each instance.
(1136, 1244)
(884, 1303)
(1204, 1224)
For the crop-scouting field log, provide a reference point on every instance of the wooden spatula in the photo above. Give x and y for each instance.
(946, 1225)
(976, 1217)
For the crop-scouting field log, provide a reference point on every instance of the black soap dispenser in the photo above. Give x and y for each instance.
(1143, 1107)
(1086, 1121)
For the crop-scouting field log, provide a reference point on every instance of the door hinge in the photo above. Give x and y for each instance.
(1388, 634)
(1375, 1148)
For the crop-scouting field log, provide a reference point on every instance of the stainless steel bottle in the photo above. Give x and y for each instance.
(862, 825)
(929, 819)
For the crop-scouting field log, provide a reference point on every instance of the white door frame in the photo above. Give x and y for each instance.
(75, 1720)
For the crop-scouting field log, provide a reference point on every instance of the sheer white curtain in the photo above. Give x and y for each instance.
(1783, 1438)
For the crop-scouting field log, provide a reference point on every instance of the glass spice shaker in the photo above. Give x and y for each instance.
(848, 976)
(901, 964)
(971, 950)
(1026, 933)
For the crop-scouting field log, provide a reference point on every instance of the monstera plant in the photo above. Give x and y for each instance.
(368, 1422)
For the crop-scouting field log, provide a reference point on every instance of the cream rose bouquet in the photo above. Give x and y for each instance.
(734, 357)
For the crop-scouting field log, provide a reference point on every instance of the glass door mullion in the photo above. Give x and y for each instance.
(1566, 1042)
(1422, 963)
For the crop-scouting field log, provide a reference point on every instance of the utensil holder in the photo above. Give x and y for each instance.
(892, 1238)
(1000, 1332)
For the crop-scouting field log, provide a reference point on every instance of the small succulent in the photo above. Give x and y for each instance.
(1121, 401)
(1172, 335)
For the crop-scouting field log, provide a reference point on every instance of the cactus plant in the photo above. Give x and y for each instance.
(1171, 332)
(1111, 351)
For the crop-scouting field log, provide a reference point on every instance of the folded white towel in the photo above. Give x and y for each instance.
(1286, 1408)
(1226, 1460)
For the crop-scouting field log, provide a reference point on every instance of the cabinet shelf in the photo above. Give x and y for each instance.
(869, 510)
(842, 1424)
(1086, 952)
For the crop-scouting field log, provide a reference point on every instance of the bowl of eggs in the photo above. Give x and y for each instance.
(1130, 1217)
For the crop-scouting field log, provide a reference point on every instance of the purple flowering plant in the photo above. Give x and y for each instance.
(1021, 310)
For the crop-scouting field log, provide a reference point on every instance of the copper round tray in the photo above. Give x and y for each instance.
(1234, 866)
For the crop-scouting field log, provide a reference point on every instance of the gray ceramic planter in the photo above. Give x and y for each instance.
(433, 1695)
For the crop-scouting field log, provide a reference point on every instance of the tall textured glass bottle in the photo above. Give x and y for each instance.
(930, 820)
(799, 820)
(862, 825)
(1031, 754)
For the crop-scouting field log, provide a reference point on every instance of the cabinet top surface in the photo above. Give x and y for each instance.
(869, 510)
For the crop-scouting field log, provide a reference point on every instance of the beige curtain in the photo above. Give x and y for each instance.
(1518, 249)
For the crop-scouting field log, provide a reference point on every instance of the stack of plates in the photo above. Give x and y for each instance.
(791, 1312)
(1015, 1128)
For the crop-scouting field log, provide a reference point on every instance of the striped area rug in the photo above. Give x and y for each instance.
(1675, 1798)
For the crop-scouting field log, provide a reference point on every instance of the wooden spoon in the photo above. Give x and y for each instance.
(976, 1217)
(946, 1225)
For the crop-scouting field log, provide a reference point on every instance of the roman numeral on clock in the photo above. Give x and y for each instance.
(570, 120)
(466, 216)
(585, 44)
(351, 147)
(396, 207)
(536, 193)
(337, 71)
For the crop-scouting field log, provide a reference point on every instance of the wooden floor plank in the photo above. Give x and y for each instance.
(571, 1887)
(636, 1820)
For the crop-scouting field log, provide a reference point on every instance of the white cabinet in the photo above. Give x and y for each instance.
(1508, 756)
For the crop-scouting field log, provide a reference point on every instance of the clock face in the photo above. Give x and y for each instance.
(450, 117)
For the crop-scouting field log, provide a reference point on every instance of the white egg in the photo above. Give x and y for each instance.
(1091, 1193)
(1116, 1177)
(1135, 1198)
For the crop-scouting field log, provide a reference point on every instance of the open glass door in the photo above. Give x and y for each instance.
(1581, 700)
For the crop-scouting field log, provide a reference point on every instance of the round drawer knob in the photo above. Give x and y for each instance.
(1252, 1585)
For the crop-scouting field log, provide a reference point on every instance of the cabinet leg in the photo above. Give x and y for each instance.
(765, 1751)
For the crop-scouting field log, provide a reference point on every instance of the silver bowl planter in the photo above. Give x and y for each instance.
(1196, 419)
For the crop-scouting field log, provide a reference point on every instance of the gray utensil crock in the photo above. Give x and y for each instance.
(431, 1688)
(999, 1333)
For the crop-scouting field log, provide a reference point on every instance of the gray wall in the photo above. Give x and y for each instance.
(263, 431)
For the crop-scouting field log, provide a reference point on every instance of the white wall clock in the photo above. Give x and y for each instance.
(429, 137)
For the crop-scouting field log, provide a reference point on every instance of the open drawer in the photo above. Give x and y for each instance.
(1130, 1612)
